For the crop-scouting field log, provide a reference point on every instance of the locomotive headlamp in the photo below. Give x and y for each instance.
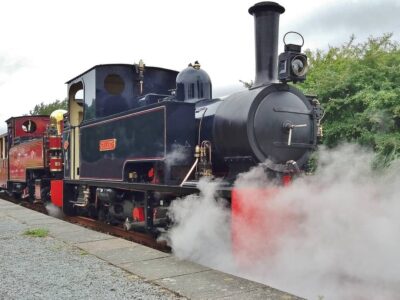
(299, 65)
(293, 65)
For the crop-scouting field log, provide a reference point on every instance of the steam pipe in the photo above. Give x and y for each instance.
(266, 26)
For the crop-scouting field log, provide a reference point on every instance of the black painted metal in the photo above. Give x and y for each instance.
(245, 128)
(148, 210)
(266, 21)
(100, 102)
(135, 186)
(286, 58)
(251, 123)
(224, 190)
(137, 137)
(150, 133)
(193, 84)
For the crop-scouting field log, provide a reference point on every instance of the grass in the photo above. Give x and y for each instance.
(38, 232)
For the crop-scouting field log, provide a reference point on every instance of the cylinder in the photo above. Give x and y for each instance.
(266, 26)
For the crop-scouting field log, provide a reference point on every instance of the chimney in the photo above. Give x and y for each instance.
(266, 25)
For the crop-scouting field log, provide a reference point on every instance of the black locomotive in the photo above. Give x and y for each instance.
(141, 136)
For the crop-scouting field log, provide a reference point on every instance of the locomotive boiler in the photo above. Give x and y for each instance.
(136, 137)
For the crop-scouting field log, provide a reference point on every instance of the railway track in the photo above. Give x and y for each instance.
(137, 237)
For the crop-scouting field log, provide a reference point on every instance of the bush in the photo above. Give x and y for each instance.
(359, 87)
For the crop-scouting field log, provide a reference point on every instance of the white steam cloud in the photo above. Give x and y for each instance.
(54, 211)
(177, 155)
(332, 235)
(200, 231)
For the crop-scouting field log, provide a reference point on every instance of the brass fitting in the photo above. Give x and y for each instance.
(197, 151)
(196, 65)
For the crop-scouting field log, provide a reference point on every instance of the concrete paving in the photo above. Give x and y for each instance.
(182, 277)
(213, 284)
(164, 267)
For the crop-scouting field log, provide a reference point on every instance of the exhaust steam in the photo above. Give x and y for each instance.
(336, 233)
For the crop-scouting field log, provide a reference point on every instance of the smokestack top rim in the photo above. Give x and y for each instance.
(266, 6)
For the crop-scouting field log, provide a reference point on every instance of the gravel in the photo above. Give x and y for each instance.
(46, 268)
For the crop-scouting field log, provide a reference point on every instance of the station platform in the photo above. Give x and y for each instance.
(161, 274)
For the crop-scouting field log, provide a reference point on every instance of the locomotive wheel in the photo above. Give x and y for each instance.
(31, 189)
(69, 195)
(101, 215)
(92, 211)
(16, 195)
(45, 194)
(127, 224)
(68, 209)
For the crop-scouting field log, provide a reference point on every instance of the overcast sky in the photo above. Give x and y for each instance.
(45, 43)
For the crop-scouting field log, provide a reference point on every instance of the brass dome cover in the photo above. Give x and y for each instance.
(56, 119)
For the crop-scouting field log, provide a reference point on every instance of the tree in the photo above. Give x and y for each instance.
(359, 87)
(47, 109)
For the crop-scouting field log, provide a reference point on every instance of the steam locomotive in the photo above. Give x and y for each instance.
(31, 155)
(136, 137)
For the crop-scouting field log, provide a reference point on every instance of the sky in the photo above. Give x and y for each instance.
(44, 43)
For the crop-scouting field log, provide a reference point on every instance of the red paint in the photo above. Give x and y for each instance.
(57, 191)
(286, 180)
(150, 173)
(138, 214)
(3, 173)
(54, 142)
(40, 122)
(257, 223)
(55, 164)
(153, 176)
(27, 155)
(107, 145)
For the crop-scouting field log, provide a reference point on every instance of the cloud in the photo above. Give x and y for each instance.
(334, 23)
(9, 66)
(3, 128)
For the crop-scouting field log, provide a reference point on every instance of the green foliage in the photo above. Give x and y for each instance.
(38, 232)
(47, 109)
(359, 87)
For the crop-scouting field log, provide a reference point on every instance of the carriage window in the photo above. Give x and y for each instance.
(114, 84)
(29, 126)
